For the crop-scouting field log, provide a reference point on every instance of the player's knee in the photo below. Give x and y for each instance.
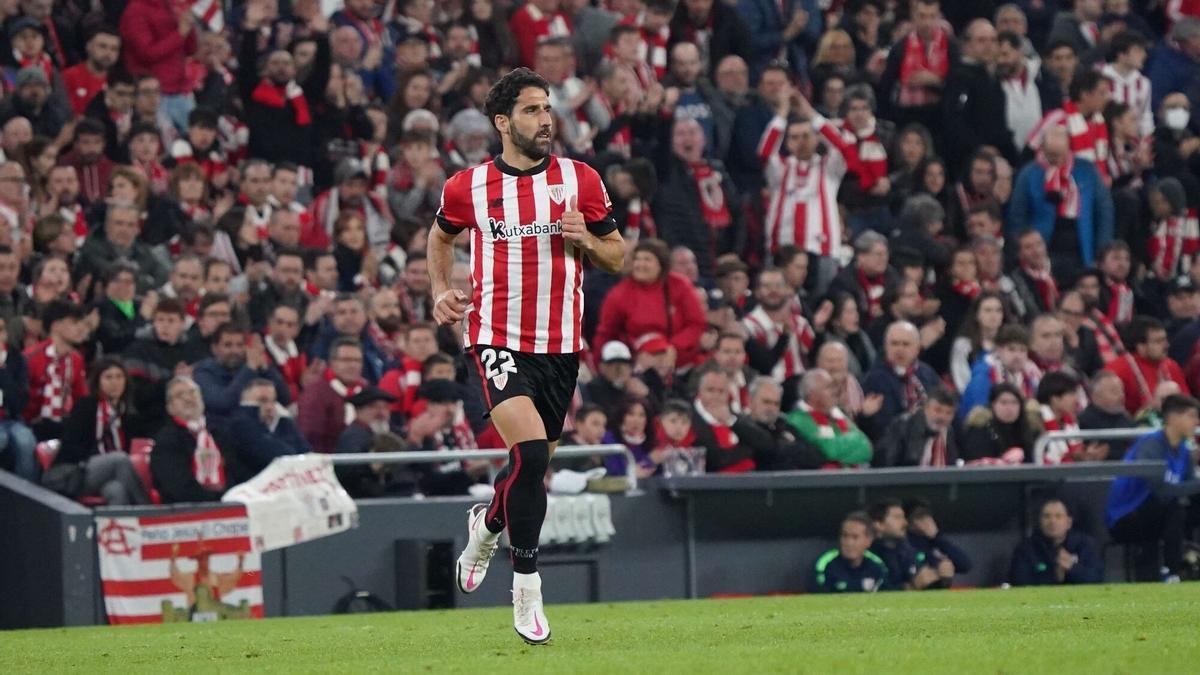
(535, 459)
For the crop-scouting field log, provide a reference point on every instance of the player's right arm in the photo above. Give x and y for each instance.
(453, 216)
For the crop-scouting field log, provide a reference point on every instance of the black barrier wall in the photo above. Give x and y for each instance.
(689, 537)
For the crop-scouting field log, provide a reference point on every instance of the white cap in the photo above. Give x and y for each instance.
(615, 350)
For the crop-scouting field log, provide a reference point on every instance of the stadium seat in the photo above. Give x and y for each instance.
(139, 453)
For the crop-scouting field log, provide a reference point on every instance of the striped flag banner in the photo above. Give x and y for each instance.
(178, 567)
(210, 14)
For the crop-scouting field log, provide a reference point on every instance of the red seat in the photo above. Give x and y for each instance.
(139, 454)
(92, 501)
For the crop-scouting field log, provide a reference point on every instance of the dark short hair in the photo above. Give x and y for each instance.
(879, 510)
(1011, 38)
(1138, 331)
(227, 328)
(503, 95)
(1055, 384)
(1012, 334)
(118, 267)
(61, 310)
(1055, 500)
(676, 406)
(103, 29)
(210, 299)
(587, 410)
(1124, 41)
(944, 395)
(658, 249)
(1177, 403)
(343, 341)
(786, 254)
(621, 29)
(171, 306)
(1084, 80)
(1057, 45)
(917, 507)
(1114, 245)
(860, 516)
(436, 359)
(89, 126)
(284, 166)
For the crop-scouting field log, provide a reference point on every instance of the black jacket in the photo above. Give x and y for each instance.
(274, 133)
(728, 33)
(1036, 558)
(753, 441)
(786, 452)
(680, 219)
(254, 445)
(363, 482)
(983, 436)
(171, 467)
(1095, 418)
(973, 105)
(904, 442)
(14, 383)
(79, 431)
(116, 331)
(932, 551)
(846, 281)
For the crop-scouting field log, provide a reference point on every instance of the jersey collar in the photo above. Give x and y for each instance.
(512, 171)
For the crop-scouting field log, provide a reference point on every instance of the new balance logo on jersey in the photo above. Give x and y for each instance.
(497, 366)
(500, 230)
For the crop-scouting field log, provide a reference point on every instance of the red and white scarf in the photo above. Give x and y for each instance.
(871, 164)
(74, 214)
(1173, 245)
(278, 96)
(1120, 305)
(935, 454)
(1089, 137)
(653, 46)
(208, 466)
(40, 61)
(1027, 380)
(56, 393)
(827, 423)
(639, 221)
(345, 392)
(1061, 452)
(1045, 286)
(934, 57)
(1059, 181)
(156, 174)
(1108, 341)
(110, 437)
(714, 207)
(873, 290)
(968, 289)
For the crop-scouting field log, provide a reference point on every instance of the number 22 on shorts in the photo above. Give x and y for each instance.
(497, 366)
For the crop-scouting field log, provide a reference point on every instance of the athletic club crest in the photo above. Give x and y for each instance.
(558, 193)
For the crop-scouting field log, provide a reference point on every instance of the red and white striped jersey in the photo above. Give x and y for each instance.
(762, 327)
(1133, 91)
(526, 280)
(803, 207)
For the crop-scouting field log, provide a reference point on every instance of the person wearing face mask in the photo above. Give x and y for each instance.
(1176, 144)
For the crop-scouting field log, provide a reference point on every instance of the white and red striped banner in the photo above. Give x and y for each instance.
(178, 567)
(210, 14)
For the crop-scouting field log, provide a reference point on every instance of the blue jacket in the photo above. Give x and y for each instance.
(1129, 492)
(882, 379)
(1036, 558)
(375, 363)
(1171, 70)
(1029, 208)
(765, 23)
(222, 389)
(255, 445)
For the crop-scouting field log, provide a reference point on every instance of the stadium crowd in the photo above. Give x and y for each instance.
(861, 233)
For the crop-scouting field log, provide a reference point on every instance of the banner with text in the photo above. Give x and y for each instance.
(186, 566)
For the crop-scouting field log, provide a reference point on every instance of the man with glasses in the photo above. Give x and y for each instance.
(187, 464)
(324, 407)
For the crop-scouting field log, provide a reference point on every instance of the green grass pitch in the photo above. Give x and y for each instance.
(1102, 629)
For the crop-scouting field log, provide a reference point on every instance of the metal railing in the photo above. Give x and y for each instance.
(1039, 447)
(426, 457)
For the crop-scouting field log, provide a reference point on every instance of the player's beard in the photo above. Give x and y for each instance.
(533, 147)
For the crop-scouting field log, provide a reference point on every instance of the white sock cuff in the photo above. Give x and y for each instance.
(533, 581)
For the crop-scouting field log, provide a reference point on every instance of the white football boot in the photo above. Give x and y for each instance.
(481, 546)
(529, 618)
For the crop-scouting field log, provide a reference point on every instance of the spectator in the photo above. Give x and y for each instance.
(1064, 199)
(18, 449)
(439, 424)
(844, 327)
(834, 358)
(283, 287)
(717, 28)
(823, 425)
(119, 239)
(98, 433)
(1058, 398)
(652, 299)
(1172, 63)
(534, 22)
(215, 310)
(349, 320)
(917, 67)
(869, 277)
(899, 378)
(57, 374)
(851, 567)
(630, 426)
(1116, 295)
(932, 546)
(1146, 365)
(731, 442)
(187, 464)
(237, 358)
(591, 424)
(1149, 513)
(157, 39)
(925, 438)
(1028, 92)
(324, 411)
(84, 80)
(997, 432)
(155, 358)
(891, 545)
(697, 98)
(614, 382)
(370, 432)
(93, 168)
(972, 95)
(258, 431)
(800, 211)
(118, 311)
(1106, 410)
(787, 452)
(1009, 363)
(34, 99)
(1034, 278)
(1127, 58)
(977, 337)
(1056, 553)
(780, 338)
(692, 190)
